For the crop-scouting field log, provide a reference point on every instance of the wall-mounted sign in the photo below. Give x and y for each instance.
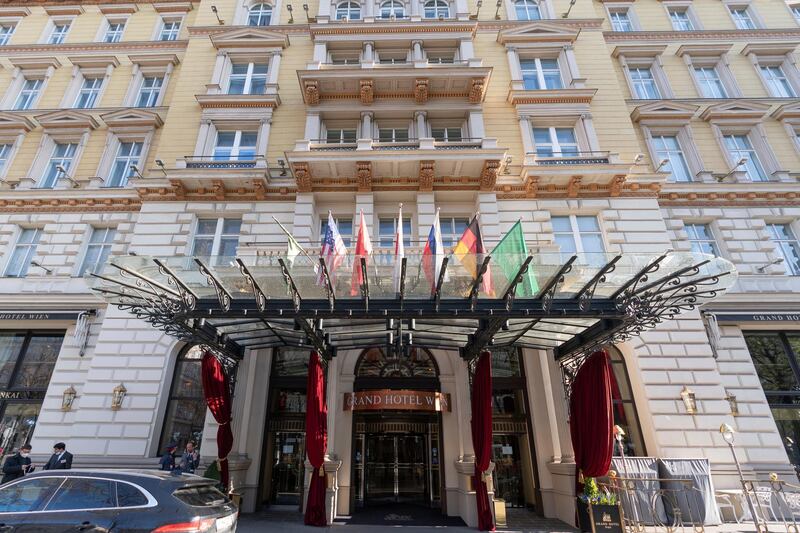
(21, 395)
(396, 400)
(40, 315)
(758, 317)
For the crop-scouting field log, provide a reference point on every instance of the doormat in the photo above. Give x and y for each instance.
(398, 514)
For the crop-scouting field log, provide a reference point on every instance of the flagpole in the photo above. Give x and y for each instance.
(292, 237)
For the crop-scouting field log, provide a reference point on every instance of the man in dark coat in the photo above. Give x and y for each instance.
(168, 459)
(17, 465)
(190, 459)
(61, 458)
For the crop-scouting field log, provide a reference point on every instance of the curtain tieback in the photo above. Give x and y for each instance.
(224, 423)
(321, 471)
(580, 476)
(486, 475)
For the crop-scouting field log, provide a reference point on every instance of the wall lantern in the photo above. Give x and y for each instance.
(731, 398)
(687, 395)
(67, 398)
(117, 395)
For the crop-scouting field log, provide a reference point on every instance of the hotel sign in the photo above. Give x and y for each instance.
(758, 317)
(396, 400)
(41, 315)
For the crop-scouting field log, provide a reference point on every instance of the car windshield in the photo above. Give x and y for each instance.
(27, 495)
(201, 496)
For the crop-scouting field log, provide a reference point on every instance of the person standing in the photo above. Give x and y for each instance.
(61, 458)
(168, 459)
(17, 465)
(190, 459)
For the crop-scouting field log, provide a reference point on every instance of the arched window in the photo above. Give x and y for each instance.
(259, 15)
(625, 414)
(435, 9)
(415, 362)
(186, 408)
(348, 10)
(392, 8)
(527, 10)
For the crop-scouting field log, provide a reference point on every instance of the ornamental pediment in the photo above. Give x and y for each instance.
(249, 37)
(657, 111)
(132, 118)
(538, 32)
(788, 111)
(11, 122)
(736, 110)
(67, 118)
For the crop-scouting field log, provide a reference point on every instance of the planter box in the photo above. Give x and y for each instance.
(599, 518)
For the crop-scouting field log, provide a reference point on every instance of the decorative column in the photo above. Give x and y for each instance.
(466, 49)
(274, 68)
(416, 54)
(527, 135)
(513, 65)
(422, 125)
(313, 127)
(369, 53)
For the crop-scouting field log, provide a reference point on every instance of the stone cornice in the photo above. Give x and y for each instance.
(217, 101)
(552, 96)
(29, 3)
(745, 197)
(703, 35)
(52, 201)
(91, 48)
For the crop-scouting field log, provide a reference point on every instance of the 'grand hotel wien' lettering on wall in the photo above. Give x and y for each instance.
(396, 400)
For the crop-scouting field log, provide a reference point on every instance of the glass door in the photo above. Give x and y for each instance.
(16, 426)
(287, 470)
(411, 468)
(396, 469)
(380, 468)
(508, 470)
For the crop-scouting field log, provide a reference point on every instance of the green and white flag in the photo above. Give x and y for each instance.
(509, 254)
(293, 248)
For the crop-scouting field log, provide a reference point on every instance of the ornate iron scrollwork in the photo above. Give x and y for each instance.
(223, 295)
(258, 294)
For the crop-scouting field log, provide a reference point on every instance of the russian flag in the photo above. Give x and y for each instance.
(433, 253)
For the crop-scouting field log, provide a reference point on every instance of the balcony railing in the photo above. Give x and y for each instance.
(210, 162)
(572, 158)
(465, 143)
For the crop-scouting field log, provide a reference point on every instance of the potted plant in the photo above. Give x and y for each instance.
(598, 510)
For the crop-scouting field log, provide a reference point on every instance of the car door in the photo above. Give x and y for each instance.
(20, 501)
(81, 504)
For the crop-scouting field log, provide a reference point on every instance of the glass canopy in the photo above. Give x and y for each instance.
(564, 303)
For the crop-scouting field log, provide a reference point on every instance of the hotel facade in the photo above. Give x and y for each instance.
(197, 128)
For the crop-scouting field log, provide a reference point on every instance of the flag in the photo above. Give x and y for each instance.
(363, 249)
(333, 250)
(509, 254)
(293, 248)
(399, 250)
(470, 250)
(433, 254)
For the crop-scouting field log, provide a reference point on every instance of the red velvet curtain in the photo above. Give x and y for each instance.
(316, 440)
(218, 398)
(592, 417)
(482, 436)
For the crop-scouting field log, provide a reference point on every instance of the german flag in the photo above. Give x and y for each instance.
(470, 251)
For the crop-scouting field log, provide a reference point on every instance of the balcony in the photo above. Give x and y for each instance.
(198, 172)
(594, 171)
(518, 94)
(423, 163)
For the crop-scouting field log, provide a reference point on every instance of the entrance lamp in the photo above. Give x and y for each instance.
(67, 398)
(689, 400)
(727, 435)
(117, 395)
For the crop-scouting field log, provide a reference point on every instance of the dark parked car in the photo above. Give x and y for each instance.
(115, 501)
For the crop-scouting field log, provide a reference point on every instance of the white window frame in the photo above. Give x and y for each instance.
(750, 12)
(577, 235)
(94, 92)
(769, 82)
(794, 9)
(347, 238)
(680, 19)
(705, 82)
(654, 64)
(711, 58)
(36, 95)
(686, 142)
(638, 82)
(218, 235)
(105, 246)
(781, 244)
(6, 156)
(105, 29)
(66, 161)
(539, 71)
(248, 77)
(627, 8)
(129, 161)
(5, 36)
(162, 25)
(152, 90)
(691, 237)
(408, 232)
(140, 72)
(30, 253)
(394, 131)
(391, 8)
(527, 9)
(450, 234)
(261, 13)
(670, 155)
(46, 149)
(51, 33)
(752, 149)
(345, 9)
(241, 15)
(437, 8)
(554, 145)
(237, 139)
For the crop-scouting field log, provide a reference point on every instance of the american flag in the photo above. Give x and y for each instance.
(333, 250)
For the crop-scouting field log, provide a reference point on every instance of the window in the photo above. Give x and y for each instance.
(775, 357)
(555, 142)
(701, 239)
(739, 148)
(393, 135)
(620, 20)
(452, 229)
(83, 493)
(58, 33)
(709, 82)
(441, 58)
(90, 90)
(216, 237)
(392, 8)
(5, 153)
(796, 12)
(186, 407)
(6, 30)
(392, 57)
(668, 148)
(248, 78)
(579, 234)
(338, 136)
(61, 158)
(149, 91)
(170, 29)
(129, 496)
(128, 155)
(776, 81)
(97, 251)
(435, 9)
(624, 407)
(348, 10)
(23, 253)
(376, 363)
(741, 18)
(680, 19)
(114, 32)
(527, 10)
(344, 225)
(259, 15)
(353, 58)
(29, 494)
(387, 228)
(235, 146)
(787, 246)
(644, 85)
(29, 93)
(447, 134)
(540, 73)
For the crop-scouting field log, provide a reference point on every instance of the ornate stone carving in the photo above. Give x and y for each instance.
(218, 189)
(574, 186)
(259, 189)
(364, 176)
(476, 91)
(312, 92)
(489, 175)
(616, 186)
(421, 91)
(178, 189)
(426, 173)
(366, 93)
(532, 187)
(302, 176)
